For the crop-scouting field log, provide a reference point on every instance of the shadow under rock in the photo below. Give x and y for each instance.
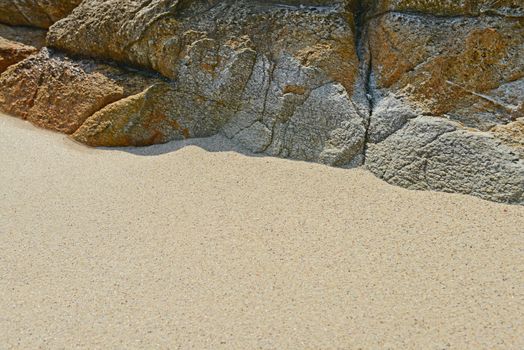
(216, 143)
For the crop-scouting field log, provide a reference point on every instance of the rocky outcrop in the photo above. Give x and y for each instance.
(279, 78)
(467, 69)
(428, 94)
(447, 83)
(35, 13)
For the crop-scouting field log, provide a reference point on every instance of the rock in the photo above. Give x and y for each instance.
(56, 93)
(447, 91)
(12, 52)
(431, 153)
(469, 69)
(285, 73)
(509, 8)
(137, 120)
(389, 115)
(34, 37)
(151, 117)
(256, 137)
(512, 135)
(16, 44)
(37, 13)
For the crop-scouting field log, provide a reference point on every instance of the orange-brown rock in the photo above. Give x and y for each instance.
(12, 52)
(151, 117)
(36, 13)
(464, 68)
(512, 135)
(241, 56)
(18, 43)
(57, 93)
(447, 91)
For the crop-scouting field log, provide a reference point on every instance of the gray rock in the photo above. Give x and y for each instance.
(389, 115)
(431, 153)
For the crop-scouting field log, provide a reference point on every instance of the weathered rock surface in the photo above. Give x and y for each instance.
(37, 13)
(507, 8)
(151, 117)
(12, 52)
(512, 135)
(427, 93)
(26, 35)
(18, 43)
(469, 69)
(429, 153)
(57, 93)
(465, 64)
(285, 77)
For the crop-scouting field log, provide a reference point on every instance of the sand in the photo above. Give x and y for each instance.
(189, 246)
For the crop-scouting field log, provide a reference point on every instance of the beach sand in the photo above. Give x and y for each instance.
(190, 246)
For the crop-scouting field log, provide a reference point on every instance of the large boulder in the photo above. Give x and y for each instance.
(429, 153)
(37, 13)
(447, 96)
(286, 74)
(468, 69)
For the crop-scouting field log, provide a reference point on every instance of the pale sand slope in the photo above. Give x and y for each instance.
(192, 249)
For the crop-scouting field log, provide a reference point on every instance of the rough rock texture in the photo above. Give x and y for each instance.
(26, 35)
(512, 135)
(469, 69)
(432, 154)
(57, 93)
(285, 78)
(37, 13)
(18, 43)
(138, 120)
(427, 93)
(506, 8)
(12, 52)
(450, 61)
(151, 117)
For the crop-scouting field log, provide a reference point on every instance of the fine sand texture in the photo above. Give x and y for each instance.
(195, 246)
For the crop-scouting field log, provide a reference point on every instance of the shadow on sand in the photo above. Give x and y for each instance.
(216, 143)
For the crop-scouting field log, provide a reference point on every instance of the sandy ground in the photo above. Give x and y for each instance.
(184, 248)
